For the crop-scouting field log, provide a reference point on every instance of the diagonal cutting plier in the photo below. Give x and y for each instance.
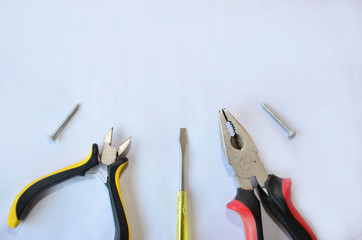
(111, 156)
(274, 192)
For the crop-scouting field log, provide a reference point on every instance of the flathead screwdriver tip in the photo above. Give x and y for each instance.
(182, 154)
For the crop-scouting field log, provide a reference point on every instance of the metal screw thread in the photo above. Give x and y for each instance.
(287, 129)
(65, 122)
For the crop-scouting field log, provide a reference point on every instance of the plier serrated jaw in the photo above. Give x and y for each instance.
(240, 151)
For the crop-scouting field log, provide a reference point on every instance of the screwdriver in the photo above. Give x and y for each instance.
(181, 194)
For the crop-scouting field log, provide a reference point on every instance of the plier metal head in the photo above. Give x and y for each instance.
(241, 152)
(109, 153)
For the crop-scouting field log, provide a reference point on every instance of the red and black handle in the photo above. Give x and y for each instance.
(276, 198)
(278, 202)
(120, 218)
(248, 207)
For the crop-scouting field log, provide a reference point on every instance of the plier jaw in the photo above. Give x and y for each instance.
(109, 153)
(240, 151)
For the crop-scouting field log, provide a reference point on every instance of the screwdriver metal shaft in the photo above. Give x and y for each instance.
(181, 194)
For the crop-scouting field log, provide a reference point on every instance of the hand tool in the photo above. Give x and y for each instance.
(112, 157)
(288, 130)
(181, 194)
(57, 131)
(274, 192)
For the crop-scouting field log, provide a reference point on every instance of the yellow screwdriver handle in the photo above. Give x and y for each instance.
(181, 216)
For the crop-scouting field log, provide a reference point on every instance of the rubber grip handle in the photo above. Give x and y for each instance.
(248, 207)
(120, 218)
(278, 202)
(30, 192)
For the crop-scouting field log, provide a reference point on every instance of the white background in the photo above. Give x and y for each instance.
(148, 68)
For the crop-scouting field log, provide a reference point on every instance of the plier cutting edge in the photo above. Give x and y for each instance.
(111, 156)
(274, 192)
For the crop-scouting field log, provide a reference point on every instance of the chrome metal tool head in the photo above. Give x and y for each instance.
(240, 151)
(109, 153)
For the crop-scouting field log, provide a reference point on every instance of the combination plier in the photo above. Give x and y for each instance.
(274, 192)
(111, 156)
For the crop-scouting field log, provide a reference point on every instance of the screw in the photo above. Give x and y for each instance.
(56, 133)
(290, 132)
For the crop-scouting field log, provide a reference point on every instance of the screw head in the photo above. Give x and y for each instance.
(291, 134)
(51, 139)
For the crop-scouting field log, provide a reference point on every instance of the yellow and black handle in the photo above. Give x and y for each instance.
(29, 193)
(120, 219)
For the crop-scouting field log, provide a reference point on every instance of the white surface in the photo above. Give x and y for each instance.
(148, 68)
